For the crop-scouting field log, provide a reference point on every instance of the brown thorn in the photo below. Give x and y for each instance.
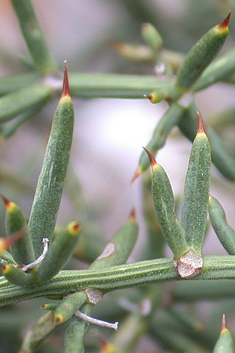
(150, 98)
(136, 175)
(225, 22)
(223, 327)
(76, 226)
(151, 158)
(132, 214)
(6, 201)
(65, 89)
(116, 44)
(201, 127)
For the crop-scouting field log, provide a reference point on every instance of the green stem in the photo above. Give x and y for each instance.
(90, 85)
(10, 83)
(117, 277)
(33, 36)
(18, 101)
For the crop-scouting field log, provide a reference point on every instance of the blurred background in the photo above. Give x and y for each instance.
(109, 133)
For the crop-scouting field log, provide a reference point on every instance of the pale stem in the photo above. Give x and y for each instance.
(94, 321)
(40, 258)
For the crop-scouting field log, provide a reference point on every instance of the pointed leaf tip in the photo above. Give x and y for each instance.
(116, 45)
(136, 175)
(76, 226)
(223, 326)
(4, 267)
(6, 242)
(58, 319)
(132, 214)
(225, 22)
(65, 89)
(5, 200)
(14, 238)
(151, 158)
(201, 127)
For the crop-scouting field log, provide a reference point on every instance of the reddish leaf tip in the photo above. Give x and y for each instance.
(201, 127)
(151, 158)
(14, 238)
(136, 175)
(58, 319)
(103, 343)
(224, 24)
(65, 89)
(3, 266)
(5, 200)
(150, 97)
(116, 44)
(223, 327)
(132, 214)
(76, 226)
(145, 26)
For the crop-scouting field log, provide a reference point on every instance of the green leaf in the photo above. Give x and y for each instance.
(170, 119)
(120, 245)
(75, 333)
(45, 326)
(225, 342)
(219, 70)
(201, 55)
(18, 101)
(224, 232)
(69, 306)
(33, 36)
(196, 192)
(220, 154)
(90, 85)
(60, 251)
(165, 208)
(17, 277)
(51, 180)
(22, 251)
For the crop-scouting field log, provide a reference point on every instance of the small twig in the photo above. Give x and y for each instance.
(40, 258)
(96, 321)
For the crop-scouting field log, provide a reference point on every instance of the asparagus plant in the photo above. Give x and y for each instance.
(34, 253)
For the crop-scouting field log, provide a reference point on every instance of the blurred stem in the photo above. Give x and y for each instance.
(10, 83)
(16, 102)
(136, 323)
(34, 37)
(91, 85)
(201, 290)
(76, 331)
(10, 128)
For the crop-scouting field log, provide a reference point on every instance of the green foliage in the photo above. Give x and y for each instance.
(34, 254)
